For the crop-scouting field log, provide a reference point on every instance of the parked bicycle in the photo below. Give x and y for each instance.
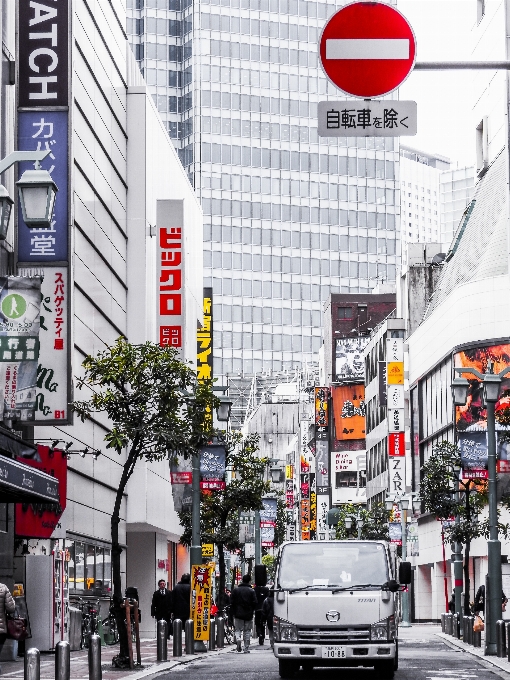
(230, 636)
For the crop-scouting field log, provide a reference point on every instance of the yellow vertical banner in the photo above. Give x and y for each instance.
(201, 586)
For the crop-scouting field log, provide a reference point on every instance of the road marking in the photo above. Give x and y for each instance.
(367, 48)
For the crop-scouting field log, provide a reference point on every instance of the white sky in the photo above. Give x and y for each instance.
(442, 29)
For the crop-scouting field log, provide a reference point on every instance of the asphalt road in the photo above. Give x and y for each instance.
(423, 656)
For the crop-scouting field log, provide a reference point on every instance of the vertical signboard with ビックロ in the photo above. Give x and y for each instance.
(170, 273)
(200, 604)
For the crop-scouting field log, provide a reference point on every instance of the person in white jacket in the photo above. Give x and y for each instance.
(7, 606)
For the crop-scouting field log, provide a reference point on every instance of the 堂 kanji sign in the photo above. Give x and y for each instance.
(367, 49)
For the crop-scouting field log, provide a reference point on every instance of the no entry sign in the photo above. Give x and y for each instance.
(367, 49)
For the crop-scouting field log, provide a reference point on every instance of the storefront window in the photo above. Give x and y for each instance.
(79, 561)
(91, 567)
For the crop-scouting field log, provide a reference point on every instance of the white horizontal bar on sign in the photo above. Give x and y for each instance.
(367, 48)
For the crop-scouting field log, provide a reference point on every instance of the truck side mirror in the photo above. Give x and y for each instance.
(404, 573)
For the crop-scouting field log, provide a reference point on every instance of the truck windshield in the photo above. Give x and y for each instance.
(332, 564)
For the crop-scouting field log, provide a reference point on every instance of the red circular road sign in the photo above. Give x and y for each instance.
(367, 49)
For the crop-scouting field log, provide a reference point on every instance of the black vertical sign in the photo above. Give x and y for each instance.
(43, 53)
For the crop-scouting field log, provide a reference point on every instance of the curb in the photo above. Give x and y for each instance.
(157, 668)
(496, 661)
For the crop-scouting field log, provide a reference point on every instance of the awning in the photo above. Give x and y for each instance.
(22, 483)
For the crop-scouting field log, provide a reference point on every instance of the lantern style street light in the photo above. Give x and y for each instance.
(224, 409)
(491, 383)
(37, 197)
(30, 196)
(6, 204)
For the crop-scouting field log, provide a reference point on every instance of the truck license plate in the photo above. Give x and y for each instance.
(333, 652)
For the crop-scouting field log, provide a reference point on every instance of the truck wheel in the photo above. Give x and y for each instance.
(287, 668)
(385, 669)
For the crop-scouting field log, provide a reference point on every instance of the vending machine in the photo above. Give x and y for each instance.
(47, 596)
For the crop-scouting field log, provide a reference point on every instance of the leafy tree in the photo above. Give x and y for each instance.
(375, 522)
(446, 496)
(269, 562)
(281, 520)
(157, 409)
(219, 510)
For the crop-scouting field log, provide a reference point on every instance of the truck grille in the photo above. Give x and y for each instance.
(332, 637)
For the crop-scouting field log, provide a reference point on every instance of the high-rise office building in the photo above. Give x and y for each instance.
(420, 173)
(289, 219)
(457, 189)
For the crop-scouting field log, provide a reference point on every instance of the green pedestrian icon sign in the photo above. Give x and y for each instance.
(13, 306)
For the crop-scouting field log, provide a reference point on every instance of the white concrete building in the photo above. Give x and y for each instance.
(456, 189)
(122, 163)
(420, 174)
(467, 320)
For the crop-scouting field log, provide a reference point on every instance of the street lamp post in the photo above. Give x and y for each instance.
(359, 523)
(491, 385)
(403, 503)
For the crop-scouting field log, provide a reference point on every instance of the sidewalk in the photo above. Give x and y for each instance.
(502, 664)
(79, 663)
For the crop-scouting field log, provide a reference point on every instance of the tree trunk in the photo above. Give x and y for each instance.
(118, 599)
(221, 587)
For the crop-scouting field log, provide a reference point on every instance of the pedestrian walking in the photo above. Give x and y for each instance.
(261, 592)
(7, 606)
(480, 600)
(181, 595)
(244, 604)
(268, 614)
(161, 607)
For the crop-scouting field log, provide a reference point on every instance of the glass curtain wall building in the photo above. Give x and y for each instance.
(289, 218)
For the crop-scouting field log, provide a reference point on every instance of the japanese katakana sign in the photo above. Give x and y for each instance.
(367, 119)
(53, 367)
(41, 131)
(170, 273)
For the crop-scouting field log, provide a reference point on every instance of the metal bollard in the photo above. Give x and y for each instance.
(448, 624)
(177, 644)
(212, 635)
(220, 632)
(189, 637)
(32, 666)
(62, 661)
(465, 632)
(442, 623)
(162, 638)
(95, 671)
(456, 631)
(477, 639)
(500, 639)
(470, 622)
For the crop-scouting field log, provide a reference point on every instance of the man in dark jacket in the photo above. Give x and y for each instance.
(261, 592)
(268, 614)
(244, 603)
(161, 607)
(181, 596)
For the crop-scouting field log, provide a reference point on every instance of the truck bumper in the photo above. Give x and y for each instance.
(356, 654)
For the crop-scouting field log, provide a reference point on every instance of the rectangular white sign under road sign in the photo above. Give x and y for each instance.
(367, 118)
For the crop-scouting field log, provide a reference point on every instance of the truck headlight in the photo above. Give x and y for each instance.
(285, 631)
(379, 630)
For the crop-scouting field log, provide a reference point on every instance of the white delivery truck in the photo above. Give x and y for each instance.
(334, 605)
